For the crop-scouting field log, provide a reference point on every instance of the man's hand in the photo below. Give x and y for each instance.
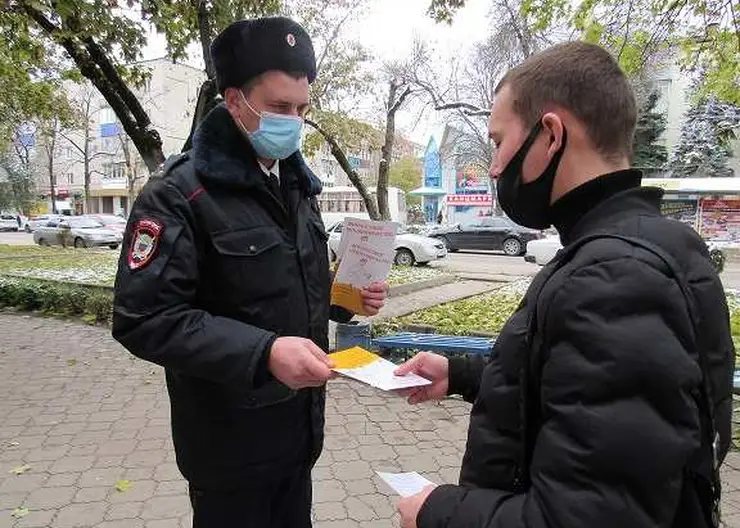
(373, 297)
(433, 367)
(299, 363)
(410, 506)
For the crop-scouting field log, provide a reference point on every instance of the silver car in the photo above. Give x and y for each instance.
(77, 231)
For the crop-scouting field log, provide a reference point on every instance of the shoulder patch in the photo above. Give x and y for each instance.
(144, 243)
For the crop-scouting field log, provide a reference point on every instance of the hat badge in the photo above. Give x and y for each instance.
(290, 39)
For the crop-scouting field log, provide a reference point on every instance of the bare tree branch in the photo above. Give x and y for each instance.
(341, 158)
(467, 108)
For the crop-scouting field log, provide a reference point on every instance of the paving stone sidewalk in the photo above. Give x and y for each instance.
(83, 414)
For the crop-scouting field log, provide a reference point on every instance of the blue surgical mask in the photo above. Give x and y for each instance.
(277, 137)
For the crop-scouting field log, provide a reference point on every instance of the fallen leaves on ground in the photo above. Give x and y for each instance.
(20, 470)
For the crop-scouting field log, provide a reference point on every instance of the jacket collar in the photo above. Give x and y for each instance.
(222, 154)
(639, 201)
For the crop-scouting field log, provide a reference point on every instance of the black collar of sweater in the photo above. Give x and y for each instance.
(568, 211)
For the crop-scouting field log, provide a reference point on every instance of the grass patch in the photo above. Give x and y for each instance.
(488, 314)
(407, 274)
(8, 250)
(89, 266)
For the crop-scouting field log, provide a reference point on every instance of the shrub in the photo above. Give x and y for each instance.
(90, 302)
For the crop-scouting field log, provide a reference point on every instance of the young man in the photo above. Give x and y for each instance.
(224, 281)
(591, 411)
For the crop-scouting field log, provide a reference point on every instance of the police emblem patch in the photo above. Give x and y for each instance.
(290, 38)
(144, 243)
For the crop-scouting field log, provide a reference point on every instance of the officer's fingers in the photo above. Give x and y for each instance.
(412, 365)
(377, 287)
(375, 305)
(315, 370)
(319, 354)
(368, 295)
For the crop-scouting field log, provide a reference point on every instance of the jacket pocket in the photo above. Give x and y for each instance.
(253, 263)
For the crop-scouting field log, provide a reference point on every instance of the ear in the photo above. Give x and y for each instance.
(232, 100)
(553, 126)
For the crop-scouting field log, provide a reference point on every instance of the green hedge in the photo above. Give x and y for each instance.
(93, 304)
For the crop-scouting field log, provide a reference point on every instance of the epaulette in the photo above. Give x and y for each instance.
(169, 164)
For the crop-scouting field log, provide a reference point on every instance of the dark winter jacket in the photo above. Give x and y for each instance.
(618, 415)
(232, 269)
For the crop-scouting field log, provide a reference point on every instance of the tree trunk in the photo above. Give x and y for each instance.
(131, 192)
(86, 175)
(52, 188)
(206, 102)
(384, 169)
(208, 90)
(387, 153)
(50, 154)
(341, 157)
(86, 206)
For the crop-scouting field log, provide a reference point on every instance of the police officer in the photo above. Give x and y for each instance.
(224, 281)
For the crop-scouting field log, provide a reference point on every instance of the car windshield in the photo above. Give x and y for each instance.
(85, 223)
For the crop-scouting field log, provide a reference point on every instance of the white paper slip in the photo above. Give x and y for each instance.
(405, 484)
(357, 363)
(366, 252)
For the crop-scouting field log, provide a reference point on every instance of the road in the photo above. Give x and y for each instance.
(16, 239)
(484, 265)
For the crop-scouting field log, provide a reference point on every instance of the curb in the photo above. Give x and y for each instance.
(502, 279)
(413, 287)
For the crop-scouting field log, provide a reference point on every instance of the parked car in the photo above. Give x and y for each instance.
(112, 222)
(487, 233)
(41, 220)
(77, 231)
(543, 251)
(410, 249)
(8, 223)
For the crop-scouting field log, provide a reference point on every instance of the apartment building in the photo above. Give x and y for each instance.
(168, 96)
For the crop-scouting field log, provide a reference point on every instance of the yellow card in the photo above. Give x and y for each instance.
(347, 297)
(353, 358)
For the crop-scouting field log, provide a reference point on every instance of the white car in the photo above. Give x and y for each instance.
(410, 249)
(543, 251)
(8, 223)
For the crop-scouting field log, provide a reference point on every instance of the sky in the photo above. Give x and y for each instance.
(387, 29)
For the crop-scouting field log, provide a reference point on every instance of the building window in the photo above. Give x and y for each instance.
(107, 115)
(114, 171)
(110, 144)
(70, 178)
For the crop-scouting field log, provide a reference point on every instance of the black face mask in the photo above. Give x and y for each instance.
(528, 204)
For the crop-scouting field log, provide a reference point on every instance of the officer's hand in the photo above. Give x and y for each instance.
(433, 367)
(299, 363)
(373, 297)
